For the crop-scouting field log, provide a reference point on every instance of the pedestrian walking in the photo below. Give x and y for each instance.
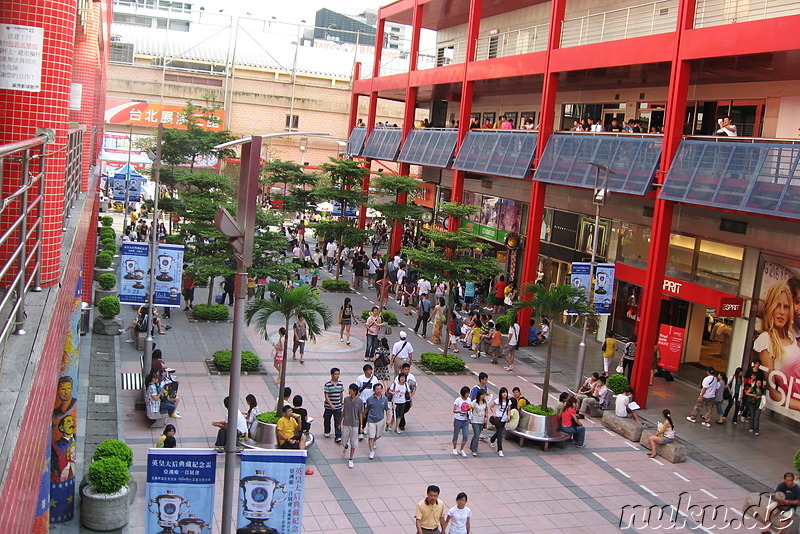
(429, 515)
(351, 422)
(365, 384)
(628, 355)
(461, 409)
(377, 411)
(402, 352)
(459, 516)
(512, 343)
(277, 352)
(664, 435)
(332, 391)
(609, 348)
(479, 418)
(299, 338)
(708, 391)
(373, 326)
(345, 320)
(439, 315)
(735, 401)
(423, 314)
(381, 362)
(756, 396)
(455, 331)
(400, 397)
(723, 394)
(500, 409)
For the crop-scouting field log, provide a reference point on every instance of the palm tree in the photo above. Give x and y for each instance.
(553, 303)
(302, 301)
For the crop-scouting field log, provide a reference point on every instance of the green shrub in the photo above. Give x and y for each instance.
(107, 233)
(222, 359)
(108, 307)
(106, 221)
(440, 363)
(108, 475)
(617, 383)
(386, 316)
(503, 323)
(117, 449)
(538, 410)
(270, 418)
(336, 285)
(215, 312)
(106, 281)
(103, 260)
(108, 245)
(797, 461)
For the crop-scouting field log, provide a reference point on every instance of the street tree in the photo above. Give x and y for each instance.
(297, 195)
(552, 303)
(453, 256)
(302, 301)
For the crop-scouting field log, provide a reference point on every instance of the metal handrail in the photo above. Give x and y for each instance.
(513, 42)
(18, 146)
(610, 134)
(622, 23)
(718, 12)
(737, 139)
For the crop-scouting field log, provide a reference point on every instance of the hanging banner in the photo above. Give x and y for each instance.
(134, 265)
(670, 346)
(180, 481)
(581, 279)
(133, 273)
(271, 491)
(604, 288)
(169, 273)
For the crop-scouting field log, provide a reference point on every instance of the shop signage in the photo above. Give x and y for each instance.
(730, 307)
(670, 346)
(180, 490)
(134, 264)
(581, 279)
(483, 231)
(149, 114)
(604, 288)
(21, 57)
(564, 231)
(426, 195)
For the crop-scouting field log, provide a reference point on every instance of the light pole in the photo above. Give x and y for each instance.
(598, 199)
(127, 183)
(240, 231)
(148, 341)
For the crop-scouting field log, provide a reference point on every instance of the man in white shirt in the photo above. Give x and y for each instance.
(621, 407)
(424, 286)
(597, 396)
(708, 391)
(512, 344)
(402, 352)
(596, 126)
(330, 254)
(222, 433)
(365, 383)
(726, 127)
(372, 266)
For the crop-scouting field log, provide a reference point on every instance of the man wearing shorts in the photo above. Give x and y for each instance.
(350, 422)
(377, 410)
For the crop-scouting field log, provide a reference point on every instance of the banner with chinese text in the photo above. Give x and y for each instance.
(271, 491)
(581, 279)
(134, 265)
(603, 288)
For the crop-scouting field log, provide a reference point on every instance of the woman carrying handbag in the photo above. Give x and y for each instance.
(500, 408)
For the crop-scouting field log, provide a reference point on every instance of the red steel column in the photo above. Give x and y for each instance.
(650, 307)
(24, 111)
(530, 262)
(404, 168)
(467, 93)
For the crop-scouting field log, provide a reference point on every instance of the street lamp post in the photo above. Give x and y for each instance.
(598, 199)
(240, 230)
(148, 342)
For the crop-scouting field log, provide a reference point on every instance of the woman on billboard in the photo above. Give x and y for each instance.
(777, 347)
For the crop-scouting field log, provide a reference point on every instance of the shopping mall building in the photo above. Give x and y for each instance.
(701, 226)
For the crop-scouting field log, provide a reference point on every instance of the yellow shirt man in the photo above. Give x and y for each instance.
(287, 426)
(611, 347)
(430, 516)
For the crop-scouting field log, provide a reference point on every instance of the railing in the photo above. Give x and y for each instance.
(752, 140)
(72, 170)
(444, 54)
(22, 176)
(513, 42)
(634, 21)
(719, 12)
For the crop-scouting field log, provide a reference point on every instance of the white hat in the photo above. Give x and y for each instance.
(403, 334)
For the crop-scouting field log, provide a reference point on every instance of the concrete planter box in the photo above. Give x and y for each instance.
(538, 426)
(98, 271)
(104, 512)
(101, 293)
(106, 327)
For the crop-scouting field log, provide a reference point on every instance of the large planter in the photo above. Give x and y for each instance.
(538, 426)
(104, 512)
(106, 327)
(264, 435)
(98, 271)
(102, 293)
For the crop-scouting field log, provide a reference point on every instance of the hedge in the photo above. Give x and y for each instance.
(503, 323)
(108, 307)
(107, 233)
(222, 360)
(215, 312)
(440, 363)
(336, 285)
(106, 281)
(103, 260)
(617, 383)
(386, 316)
(270, 418)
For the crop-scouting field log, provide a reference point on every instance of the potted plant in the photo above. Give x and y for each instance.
(106, 283)
(102, 264)
(538, 421)
(263, 432)
(106, 499)
(107, 323)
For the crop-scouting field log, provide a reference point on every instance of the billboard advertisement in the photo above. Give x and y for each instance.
(604, 288)
(670, 346)
(134, 265)
(582, 279)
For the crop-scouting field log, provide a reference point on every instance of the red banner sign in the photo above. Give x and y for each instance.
(147, 114)
(730, 307)
(670, 346)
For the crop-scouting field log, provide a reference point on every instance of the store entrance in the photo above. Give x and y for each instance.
(716, 345)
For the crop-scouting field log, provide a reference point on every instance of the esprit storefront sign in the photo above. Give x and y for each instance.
(730, 307)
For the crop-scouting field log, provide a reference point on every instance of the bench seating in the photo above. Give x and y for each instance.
(624, 426)
(158, 419)
(672, 452)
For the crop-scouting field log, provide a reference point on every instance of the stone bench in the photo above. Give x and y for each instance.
(624, 426)
(755, 505)
(672, 452)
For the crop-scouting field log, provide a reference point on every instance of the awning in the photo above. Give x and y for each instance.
(383, 144)
(429, 147)
(497, 152)
(633, 161)
(356, 142)
(751, 177)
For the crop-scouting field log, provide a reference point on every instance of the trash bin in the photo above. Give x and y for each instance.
(86, 311)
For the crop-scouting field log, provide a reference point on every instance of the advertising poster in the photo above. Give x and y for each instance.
(581, 278)
(180, 490)
(64, 448)
(271, 492)
(776, 330)
(670, 346)
(135, 183)
(133, 267)
(169, 272)
(604, 288)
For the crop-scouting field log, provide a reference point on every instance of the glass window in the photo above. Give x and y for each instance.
(719, 266)
(681, 256)
(634, 242)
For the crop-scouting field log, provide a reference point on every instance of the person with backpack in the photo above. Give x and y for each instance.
(628, 354)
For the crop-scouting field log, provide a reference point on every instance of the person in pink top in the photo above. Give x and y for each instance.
(506, 124)
(571, 425)
(373, 325)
